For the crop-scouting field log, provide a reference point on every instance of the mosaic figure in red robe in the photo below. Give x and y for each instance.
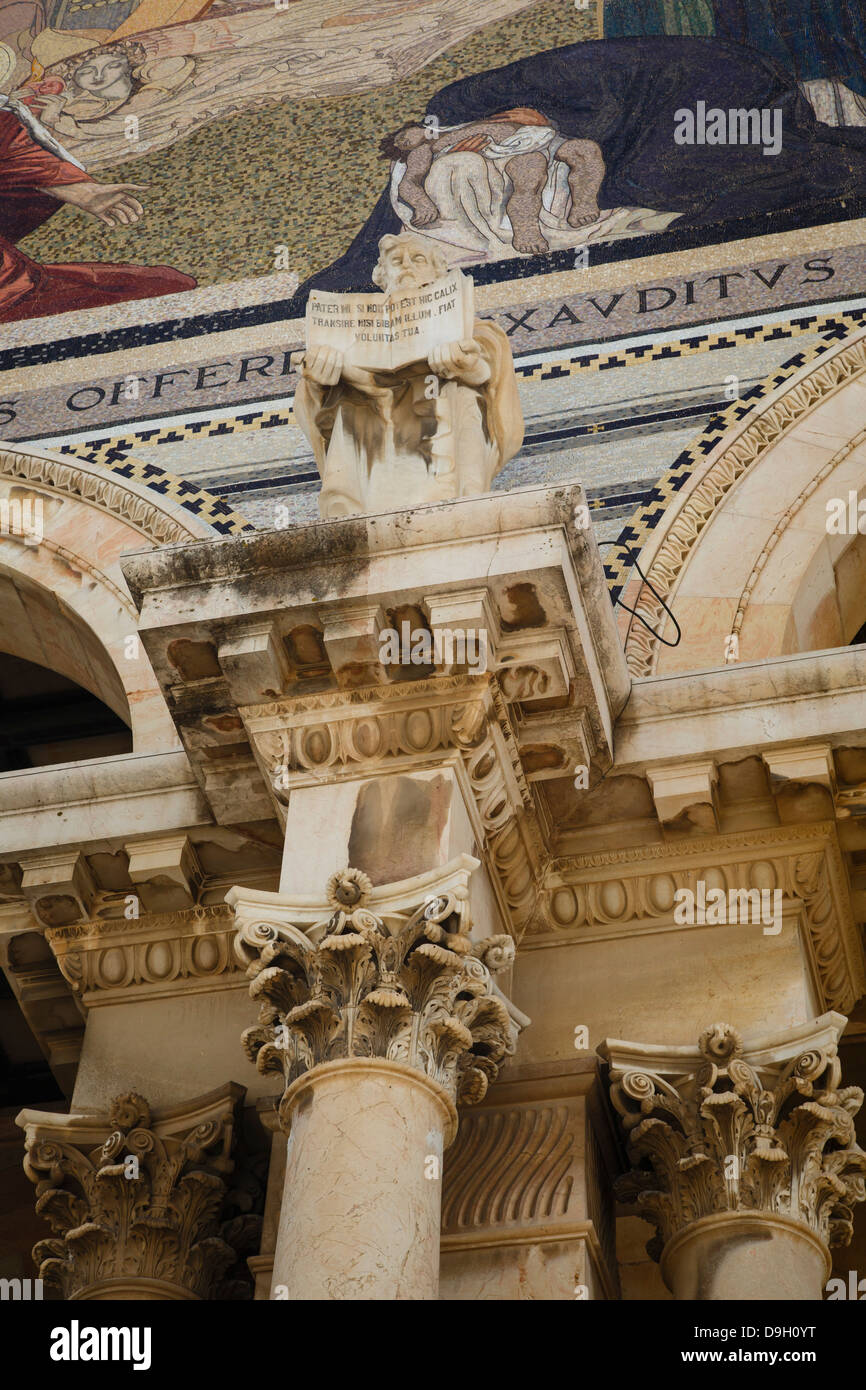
(36, 177)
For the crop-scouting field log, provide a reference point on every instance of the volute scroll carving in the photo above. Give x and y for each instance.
(143, 1204)
(740, 1133)
(407, 985)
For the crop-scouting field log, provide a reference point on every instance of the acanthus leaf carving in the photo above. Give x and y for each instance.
(142, 1204)
(408, 986)
(738, 1136)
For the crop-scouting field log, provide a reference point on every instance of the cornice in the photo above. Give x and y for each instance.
(469, 686)
(619, 892)
(698, 847)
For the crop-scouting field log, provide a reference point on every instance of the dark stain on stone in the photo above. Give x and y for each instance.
(851, 765)
(59, 910)
(745, 777)
(526, 683)
(613, 799)
(256, 849)
(195, 661)
(397, 827)
(525, 609)
(549, 702)
(28, 950)
(224, 723)
(10, 877)
(162, 894)
(305, 648)
(692, 820)
(417, 622)
(111, 871)
(357, 673)
(227, 751)
(264, 832)
(541, 755)
(799, 802)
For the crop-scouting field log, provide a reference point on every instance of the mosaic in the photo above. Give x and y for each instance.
(645, 499)
(149, 148)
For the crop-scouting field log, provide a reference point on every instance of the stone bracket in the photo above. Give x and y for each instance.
(808, 763)
(685, 795)
(168, 870)
(58, 885)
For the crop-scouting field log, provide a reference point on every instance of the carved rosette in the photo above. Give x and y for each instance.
(408, 986)
(142, 1205)
(740, 1136)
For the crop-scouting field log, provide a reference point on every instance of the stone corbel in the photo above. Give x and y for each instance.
(167, 870)
(467, 611)
(686, 795)
(535, 666)
(254, 663)
(59, 886)
(351, 634)
(807, 763)
(556, 744)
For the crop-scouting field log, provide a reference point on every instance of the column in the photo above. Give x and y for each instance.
(380, 1017)
(744, 1158)
(134, 1200)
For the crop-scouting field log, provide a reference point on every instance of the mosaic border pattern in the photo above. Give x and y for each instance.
(179, 433)
(713, 238)
(571, 365)
(202, 504)
(114, 453)
(834, 328)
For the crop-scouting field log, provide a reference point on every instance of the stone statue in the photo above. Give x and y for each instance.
(435, 429)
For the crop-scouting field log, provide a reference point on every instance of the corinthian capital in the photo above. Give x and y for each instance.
(763, 1128)
(404, 982)
(133, 1199)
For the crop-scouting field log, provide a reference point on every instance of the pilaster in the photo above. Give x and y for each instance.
(528, 1210)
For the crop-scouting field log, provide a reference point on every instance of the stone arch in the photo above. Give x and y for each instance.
(744, 551)
(64, 604)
